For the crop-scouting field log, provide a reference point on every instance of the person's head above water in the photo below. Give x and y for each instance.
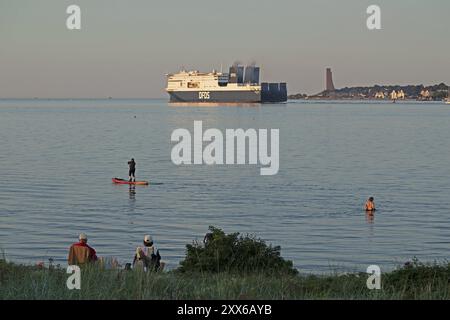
(371, 199)
(132, 159)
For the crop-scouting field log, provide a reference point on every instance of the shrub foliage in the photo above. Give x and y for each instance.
(234, 253)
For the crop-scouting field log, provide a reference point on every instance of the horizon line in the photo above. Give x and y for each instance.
(164, 97)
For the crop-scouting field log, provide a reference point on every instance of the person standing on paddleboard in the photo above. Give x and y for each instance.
(132, 170)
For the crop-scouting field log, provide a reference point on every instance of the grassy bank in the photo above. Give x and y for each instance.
(417, 281)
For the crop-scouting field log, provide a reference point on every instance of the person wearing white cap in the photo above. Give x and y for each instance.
(149, 255)
(148, 243)
(81, 252)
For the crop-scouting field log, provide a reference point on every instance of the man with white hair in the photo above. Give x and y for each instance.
(80, 252)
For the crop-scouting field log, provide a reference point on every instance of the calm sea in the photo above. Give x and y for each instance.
(58, 157)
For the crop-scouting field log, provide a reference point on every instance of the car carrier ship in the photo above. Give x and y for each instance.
(238, 86)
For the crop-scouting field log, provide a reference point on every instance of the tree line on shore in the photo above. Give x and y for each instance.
(437, 92)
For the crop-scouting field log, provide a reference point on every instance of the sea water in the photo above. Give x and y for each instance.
(58, 157)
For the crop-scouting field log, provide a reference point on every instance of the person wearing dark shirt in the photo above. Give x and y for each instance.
(132, 170)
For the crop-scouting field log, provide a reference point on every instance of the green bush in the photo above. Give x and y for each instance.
(233, 253)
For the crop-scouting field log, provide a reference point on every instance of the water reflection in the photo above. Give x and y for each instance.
(370, 217)
(132, 192)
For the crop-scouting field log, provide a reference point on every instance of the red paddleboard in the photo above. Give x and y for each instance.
(121, 181)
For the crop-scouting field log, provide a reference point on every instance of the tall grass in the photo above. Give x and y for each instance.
(417, 281)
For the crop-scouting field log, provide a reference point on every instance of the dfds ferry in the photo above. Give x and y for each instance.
(237, 86)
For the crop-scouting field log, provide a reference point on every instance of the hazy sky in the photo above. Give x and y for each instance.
(125, 48)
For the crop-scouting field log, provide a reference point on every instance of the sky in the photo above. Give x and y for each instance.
(125, 48)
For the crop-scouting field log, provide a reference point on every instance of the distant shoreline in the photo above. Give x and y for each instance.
(437, 92)
(384, 101)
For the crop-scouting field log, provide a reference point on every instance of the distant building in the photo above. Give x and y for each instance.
(393, 95)
(329, 81)
(425, 93)
(380, 95)
(397, 95)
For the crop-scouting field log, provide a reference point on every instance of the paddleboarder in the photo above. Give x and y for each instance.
(132, 170)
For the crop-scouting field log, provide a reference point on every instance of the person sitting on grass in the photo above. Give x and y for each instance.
(147, 258)
(81, 253)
